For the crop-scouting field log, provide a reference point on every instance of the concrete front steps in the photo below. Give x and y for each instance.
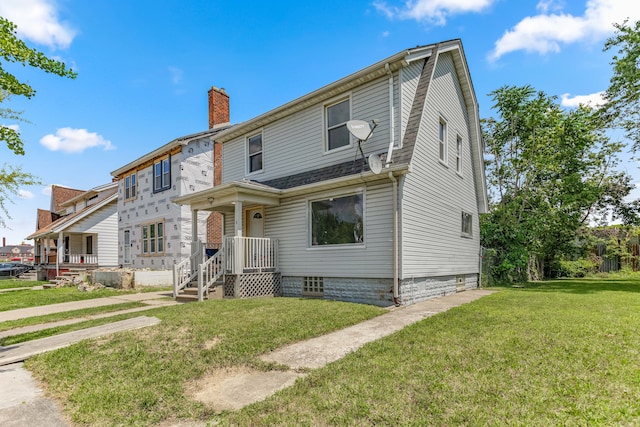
(66, 276)
(190, 293)
(29, 276)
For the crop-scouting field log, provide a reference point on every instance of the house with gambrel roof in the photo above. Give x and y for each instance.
(311, 210)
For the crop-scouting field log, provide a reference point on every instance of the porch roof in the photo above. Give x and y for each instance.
(224, 197)
(66, 221)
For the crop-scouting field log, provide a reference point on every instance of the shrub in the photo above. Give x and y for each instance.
(578, 268)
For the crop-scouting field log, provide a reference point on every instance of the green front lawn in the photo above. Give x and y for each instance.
(554, 353)
(14, 300)
(14, 283)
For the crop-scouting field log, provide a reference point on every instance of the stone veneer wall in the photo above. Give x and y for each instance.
(380, 291)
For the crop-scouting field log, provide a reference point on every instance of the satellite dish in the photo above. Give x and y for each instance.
(375, 164)
(360, 129)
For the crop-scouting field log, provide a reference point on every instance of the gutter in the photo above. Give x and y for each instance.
(394, 180)
(392, 121)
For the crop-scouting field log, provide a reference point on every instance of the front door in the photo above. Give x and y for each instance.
(255, 223)
(127, 247)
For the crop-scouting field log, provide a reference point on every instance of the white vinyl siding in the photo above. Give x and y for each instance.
(433, 196)
(103, 225)
(295, 144)
(410, 77)
(289, 224)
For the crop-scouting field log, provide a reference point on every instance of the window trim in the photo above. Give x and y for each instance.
(130, 187)
(442, 140)
(326, 196)
(148, 242)
(248, 155)
(459, 148)
(161, 162)
(325, 124)
(463, 232)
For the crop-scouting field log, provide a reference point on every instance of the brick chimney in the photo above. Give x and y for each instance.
(218, 114)
(218, 106)
(4, 241)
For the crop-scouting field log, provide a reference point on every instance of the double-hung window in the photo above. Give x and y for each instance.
(153, 238)
(130, 187)
(467, 221)
(442, 140)
(254, 149)
(337, 220)
(337, 116)
(162, 174)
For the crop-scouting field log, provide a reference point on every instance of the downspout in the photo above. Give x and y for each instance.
(396, 299)
(392, 121)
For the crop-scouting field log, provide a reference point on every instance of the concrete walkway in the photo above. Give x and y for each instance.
(239, 390)
(143, 297)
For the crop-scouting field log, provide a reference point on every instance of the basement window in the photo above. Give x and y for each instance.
(313, 286)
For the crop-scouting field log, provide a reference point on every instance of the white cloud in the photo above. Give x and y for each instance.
(432, 11)
(14, 127)
(592, 100)
(74, 140)
(176, 75)
(24, 194)
(548, 32)
(38, 21)
(385, 34)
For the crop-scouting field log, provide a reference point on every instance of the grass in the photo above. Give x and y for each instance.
(13, 283)
(55, 317)
(28, 298)
(561, 352)
(138, 377)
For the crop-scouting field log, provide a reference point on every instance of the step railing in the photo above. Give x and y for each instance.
(184, 271)
(208, 273)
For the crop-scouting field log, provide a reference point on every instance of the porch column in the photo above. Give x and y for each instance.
(60, 253)
(47, 251)
(238, 266)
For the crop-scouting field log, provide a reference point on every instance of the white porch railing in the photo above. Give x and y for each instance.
(249, 254)
(81, 259)
(208, 273)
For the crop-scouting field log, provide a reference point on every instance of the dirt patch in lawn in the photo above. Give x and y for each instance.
(234, 388)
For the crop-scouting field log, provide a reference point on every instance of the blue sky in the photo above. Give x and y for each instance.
(144, 66)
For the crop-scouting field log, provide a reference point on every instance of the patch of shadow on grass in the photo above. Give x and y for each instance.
(582, 286)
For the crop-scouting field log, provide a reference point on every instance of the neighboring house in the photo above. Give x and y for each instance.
(305, 216)
(21, 252)
(80, 231)
(153, 232)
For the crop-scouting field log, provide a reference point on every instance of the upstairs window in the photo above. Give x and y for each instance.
(459, 154)
(442, 140)
(162, 174)
(337, 116)
(254, 148)
(130, 187)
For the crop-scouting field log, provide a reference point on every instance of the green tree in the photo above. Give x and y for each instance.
(14, 50)
(550, 171)
(623, 94)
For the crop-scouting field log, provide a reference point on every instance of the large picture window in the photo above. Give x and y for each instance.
(162, 174)
(337, 117)
(338, 221)
(254, 148)
(153, 238)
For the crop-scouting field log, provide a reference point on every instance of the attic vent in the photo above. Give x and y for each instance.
(313, 286)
